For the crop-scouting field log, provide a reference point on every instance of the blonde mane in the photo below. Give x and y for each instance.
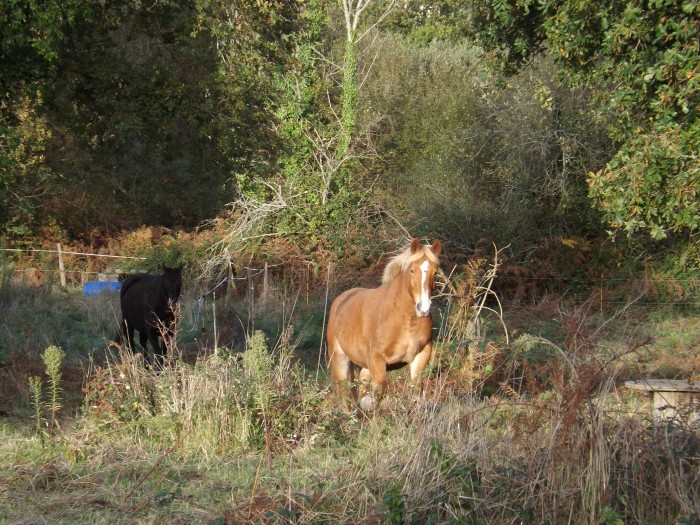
(399, 263)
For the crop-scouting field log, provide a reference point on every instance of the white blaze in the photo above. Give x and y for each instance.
(423, 306)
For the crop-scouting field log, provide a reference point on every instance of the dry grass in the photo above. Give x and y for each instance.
(528, 430)
(431, 460)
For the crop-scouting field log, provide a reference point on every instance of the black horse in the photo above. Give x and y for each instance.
(148, 305)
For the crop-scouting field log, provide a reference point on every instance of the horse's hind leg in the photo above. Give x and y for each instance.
(129, 336)
(143, 341)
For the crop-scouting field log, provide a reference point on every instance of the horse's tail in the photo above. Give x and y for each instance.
(119, 336)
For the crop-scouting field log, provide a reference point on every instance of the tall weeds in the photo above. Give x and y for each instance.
(255, 400)
(53, 358)
(554, 443)
(525, 430)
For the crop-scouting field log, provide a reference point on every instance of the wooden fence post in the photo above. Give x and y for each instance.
(264, 290)
(229, 285)
(61, 269)
(251, 301)
(4, 259)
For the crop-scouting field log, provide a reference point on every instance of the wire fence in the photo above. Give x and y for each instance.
(687, 289)
(70, 267)
(68, 252)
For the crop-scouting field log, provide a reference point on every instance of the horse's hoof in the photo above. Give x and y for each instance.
(367, 403)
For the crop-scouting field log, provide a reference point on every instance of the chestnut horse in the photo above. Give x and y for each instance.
(384, 328)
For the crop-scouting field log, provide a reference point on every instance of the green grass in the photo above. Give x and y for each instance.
(256, 438)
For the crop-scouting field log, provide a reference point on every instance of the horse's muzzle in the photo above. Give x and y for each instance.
(422, 309)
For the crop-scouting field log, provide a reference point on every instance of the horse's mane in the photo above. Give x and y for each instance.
(398, 264)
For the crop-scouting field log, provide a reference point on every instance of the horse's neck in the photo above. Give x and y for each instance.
(159, 287)
(398, 289)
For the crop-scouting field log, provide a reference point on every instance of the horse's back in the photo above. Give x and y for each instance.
(348, 305)
(134, 281)
(346, 299)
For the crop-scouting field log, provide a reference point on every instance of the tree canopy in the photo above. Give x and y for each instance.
(641, 59)
(510, 118)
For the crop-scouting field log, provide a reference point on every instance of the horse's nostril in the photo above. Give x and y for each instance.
(422, 309)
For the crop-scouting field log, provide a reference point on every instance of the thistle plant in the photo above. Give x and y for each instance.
(37, 403)
(258, 364)
(53, 359)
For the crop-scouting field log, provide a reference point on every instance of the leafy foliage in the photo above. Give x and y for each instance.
(512, 119)
(654, 56)
(652, 183)
(31, 34)
(498, 161)
(428, 22)
(148, 109)
(641, 58)
(307, 168)
(254, 43)
(25, 179)
(131, 140)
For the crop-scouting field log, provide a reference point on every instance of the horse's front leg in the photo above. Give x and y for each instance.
(154, 339)
(418, 364)
(373, 381)
(365, 400)
(143, 339)
(421, 360)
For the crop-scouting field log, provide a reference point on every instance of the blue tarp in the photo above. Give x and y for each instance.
(95, 287)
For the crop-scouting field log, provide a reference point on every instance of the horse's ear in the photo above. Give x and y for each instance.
(436, 247)
(415, 245)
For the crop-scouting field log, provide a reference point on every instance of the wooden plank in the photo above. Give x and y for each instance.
(664, 385)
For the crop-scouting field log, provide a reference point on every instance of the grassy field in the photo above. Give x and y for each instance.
(533, 428)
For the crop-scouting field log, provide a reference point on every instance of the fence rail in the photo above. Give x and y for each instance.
(68, 252)
(251, 273)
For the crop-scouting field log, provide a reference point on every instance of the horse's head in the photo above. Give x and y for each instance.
(172, 282)
(422, 265)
